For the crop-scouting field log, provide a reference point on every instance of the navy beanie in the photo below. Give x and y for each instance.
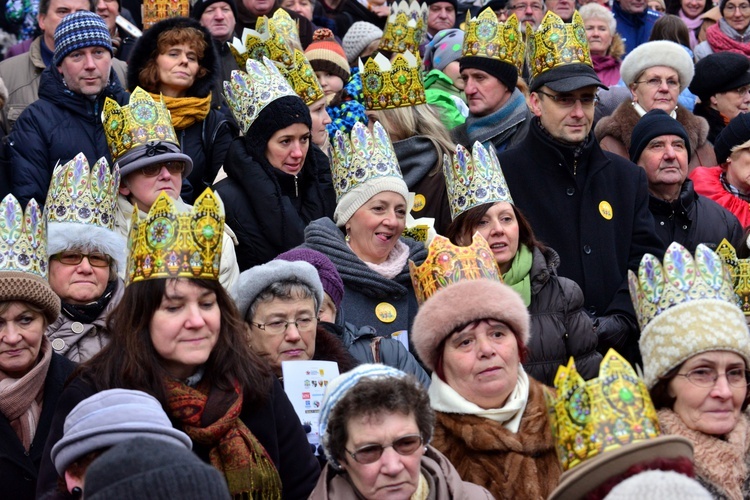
(653, 124)
(503, 71)
(79, 30)
(735, 133)
(201, 5)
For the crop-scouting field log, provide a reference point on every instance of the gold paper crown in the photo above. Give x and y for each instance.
(156, 10)
(23, 244)
(557, 43)
(248, 93)
(141, 121)
(392, 84)
(170, 243)
(405, 28)
(83, 195)
(474, 179)
(487, 37)
(591, 417)
(681, 279)
(447, 263)
(739, 269)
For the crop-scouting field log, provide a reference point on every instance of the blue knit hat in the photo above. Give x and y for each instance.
(78, 30)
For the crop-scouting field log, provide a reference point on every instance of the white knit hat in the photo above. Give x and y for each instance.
(357, 38)
(352, 200)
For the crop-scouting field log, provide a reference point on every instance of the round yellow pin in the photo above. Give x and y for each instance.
(419, 202)
(385, 312)
(606, 210)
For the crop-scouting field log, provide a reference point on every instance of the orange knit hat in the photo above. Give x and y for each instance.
(326, 54)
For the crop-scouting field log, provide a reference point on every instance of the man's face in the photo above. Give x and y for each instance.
(218, 19)
(441, 16)
(259, 7)
(86, 70)
(570, 120)
(665, 160)
(563, 8)
(634, 6)
(57, 10)
(485, 94)
(528, 11)
(108, 10)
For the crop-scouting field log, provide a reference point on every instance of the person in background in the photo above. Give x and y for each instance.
(248, 12)
(690, 11)
(443, 84)
(441, 15)
(528, 12)
(730, 33)
(605, 43)
(657, 6)
(634, 22)
(361, 41)
(219, 17)
(563, 8)
(122, 40)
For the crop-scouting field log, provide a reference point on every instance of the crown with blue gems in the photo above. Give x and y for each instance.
(141, 121)
(248, 93)
(405, 28)
(739, 270)
(473, 179)
(23, 237)
(557, 43)
(487, 37)
(170, 243)
(392, 84)
(447, 263)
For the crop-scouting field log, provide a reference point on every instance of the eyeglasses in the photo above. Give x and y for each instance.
(656, 83)
(278, 327)
(568, 101)
(370, 453)
(75, 258)
(523, 6)
(743, 8)
(174, 168)
(742, 90)
(707, 377)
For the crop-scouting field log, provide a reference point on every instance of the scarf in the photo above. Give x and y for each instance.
(21, 398)
(721, 42)
(642, 112)
(423, 489)
(186, 111)
(498, 126)
(693, 27)
(720, 462)
(444, 398)
(607, 69)
(518, 276)
(88, 313)
(210, 417)
(395, 262)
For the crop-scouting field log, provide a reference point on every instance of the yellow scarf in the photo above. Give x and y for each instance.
(186, 110)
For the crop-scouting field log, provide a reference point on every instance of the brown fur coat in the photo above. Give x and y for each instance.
(614, 132)
(520, 465)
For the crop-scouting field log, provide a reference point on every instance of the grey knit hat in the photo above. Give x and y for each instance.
(357, 38)
(78, 30)
(443, 49)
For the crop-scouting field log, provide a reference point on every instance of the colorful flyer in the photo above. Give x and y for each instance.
(305, 384)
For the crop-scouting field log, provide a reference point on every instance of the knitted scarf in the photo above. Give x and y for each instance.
(721, 42)
(186, 111)
(518, 276)
(21, 398)
(210, 416)
(88, 313)
(499, 125)
(394, 264)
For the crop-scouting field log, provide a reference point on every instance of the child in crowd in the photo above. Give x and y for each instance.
(443, 85)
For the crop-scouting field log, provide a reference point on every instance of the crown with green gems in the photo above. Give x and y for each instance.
(473, 179)
(392, 84)
(557, 43)
(739, 269)
(170, 243)
(487, 37)
(141, 121)
(405, 28)
(23, 237)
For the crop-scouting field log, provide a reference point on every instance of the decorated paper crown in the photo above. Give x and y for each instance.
(591, 417)
(156, 10)
(487, 37)
(23, 243)
(739, 269)
(141, 121)
(392, 84)
(447, 263)
(405, 28)
(248, 93)
(680, 280)
(474, 179)
(170, 243)
(557, 43)
(362, 157)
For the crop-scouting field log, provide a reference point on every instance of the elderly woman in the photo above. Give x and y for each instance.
(698, 380)
(730, 33)
(690, 11)
(31, 375)
(605, 43)
(376, 425)
(655, 72)
(492, 419)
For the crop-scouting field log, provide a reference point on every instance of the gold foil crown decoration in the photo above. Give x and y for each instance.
(23, 237)
(170, 243)
(141, 121)
(591, 417)
(83, 195)
(487, 37)
(557, 43)
(739, 270)
(392, 84)
(405, 28)
(157, 10)
(447, 263)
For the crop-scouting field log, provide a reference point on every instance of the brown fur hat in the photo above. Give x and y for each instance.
(461, 303)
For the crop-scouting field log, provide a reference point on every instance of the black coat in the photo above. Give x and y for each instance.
(19, 470)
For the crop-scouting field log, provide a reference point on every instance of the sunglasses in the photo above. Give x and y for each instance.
(174, 168)
(372, 452)
(74, 258)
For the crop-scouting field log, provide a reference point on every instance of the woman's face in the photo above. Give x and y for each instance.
(738, 170)
(481, 363)
(711, 410)
(600, 38)
(733, 102)
(737, 14)
(21, 333)
(185, 327)
(320, 119)
(657, 88)
(392, 476)
(142, 188)
(287, 148)
(178, 68)
(376, 226)
(80, 283)
(499, 227)
(693, 8)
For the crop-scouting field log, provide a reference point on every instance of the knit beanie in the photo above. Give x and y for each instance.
(653, 124)
(720, 72)
(277, 115)
(147, 469)
(352, 200)
(78, 30)
(443, 49)
(29, 287)
(736, 132)
(661, 484)
(327, 272)
(357, 38)
(325, 54)
(503, 71)
(201, 5)
(111, 417)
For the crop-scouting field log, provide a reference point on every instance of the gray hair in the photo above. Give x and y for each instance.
(596, 11)
(288, 289)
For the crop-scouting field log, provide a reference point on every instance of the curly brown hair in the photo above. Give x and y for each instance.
(148, 77)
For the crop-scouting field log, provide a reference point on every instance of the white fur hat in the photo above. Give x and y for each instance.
(62, 236)
(658, 53)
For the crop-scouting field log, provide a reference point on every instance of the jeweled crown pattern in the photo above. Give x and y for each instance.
(23, 237)
(392, 83)
(557, 43)
(405, 28)
(156, 10)
(739, 269)
(487, 37)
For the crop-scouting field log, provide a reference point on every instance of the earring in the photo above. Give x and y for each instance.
(347, 238)
(76, 492)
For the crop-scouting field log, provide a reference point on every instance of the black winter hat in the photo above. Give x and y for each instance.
(278, 114)
(454, 3)
(653, 124)
(720, 72)
(503, 71)
(735, 133)
(200, 7)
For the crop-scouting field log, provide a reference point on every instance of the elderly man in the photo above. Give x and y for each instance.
(634, 21)
(563, 8)
(219, 17)
(529, 12)
(66, 120)
(440, 16)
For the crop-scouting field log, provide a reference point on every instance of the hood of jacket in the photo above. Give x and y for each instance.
(52, 88)
(543, 265)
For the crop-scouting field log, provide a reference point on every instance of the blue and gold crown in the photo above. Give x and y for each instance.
(248, 93)
(739, 269)
(487, 37)
(157, 10)
(473, 179)
(405, 28)
(170, 243)
(392, 84)
(23, 238)
(557, 43)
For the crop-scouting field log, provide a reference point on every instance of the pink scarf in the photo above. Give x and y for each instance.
(693, 27)
(720, 42)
